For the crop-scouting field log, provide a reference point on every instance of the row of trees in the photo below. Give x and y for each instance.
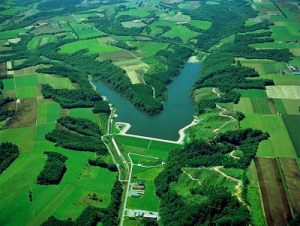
(219, 207)
(80, 125)
(101, 163)
(53, 170)
(8, 153)
(75, 141)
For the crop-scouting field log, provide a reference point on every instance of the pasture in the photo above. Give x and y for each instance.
(12, 33)
(84, 31)
(291, 106)
(273, 194)
(38, 41)
(137, 12)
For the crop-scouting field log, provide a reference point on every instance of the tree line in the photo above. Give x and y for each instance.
(53, 170)
(8, 154)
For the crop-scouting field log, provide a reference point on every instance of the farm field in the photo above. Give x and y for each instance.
(273, 195)
(248, 79)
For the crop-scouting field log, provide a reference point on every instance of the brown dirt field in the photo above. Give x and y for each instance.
(25, 115)
(291, 174)
(274, 198)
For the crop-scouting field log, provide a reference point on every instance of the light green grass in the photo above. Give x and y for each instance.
(201, 24)
(149, 200)
(279, 144)
(180, 31)
(244, 105)
(138, 12)
(85, 31)
(260, 106)
(93, 45)
(148, 48)
(12, 33)
(55, 81)
(37, 41)
(86, 113)
(291, 106)
(292, 123)
(48, 112)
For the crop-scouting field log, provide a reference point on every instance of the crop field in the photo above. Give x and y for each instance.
(292, 123)
(291, 174)
(189, 5)
(84, 31)
(149, 200)
(283, 92)
(28, 70)
(181, 32)
(254, 196)
(280, 106)
(274, 198)
(252, 93)
(155, 26)
(93, 45)
(47, 112)
(291, 106)
(260, 106)
(279, 143)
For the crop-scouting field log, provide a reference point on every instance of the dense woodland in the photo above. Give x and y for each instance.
(220, 207)
(54, 169)
(8, 153)
(80, 125)
(75, 141)
(101, 163)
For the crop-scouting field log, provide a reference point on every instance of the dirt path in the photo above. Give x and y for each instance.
(231, 154)
(222, 113)
(191, 177)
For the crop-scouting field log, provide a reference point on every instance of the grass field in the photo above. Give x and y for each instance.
(244, 105)
(12, 33)
(292, 123)
(181, 32)
(137, 12)
(201, 24)
(279, 143)
(93, 45)
(260, 106)
(145, 147)
(149, 200)
(274, 198)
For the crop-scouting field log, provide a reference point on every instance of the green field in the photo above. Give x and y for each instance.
(149, 200)
(93, 45)
(279, 144)
(260, 106)
(12, 33)
(84, 31)
(200, 24)
(181, 32)
(38, 41)
(292, 123)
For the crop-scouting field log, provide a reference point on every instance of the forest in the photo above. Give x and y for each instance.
(219, 206)
(101, 163)
(53, 170)
(80, 125)
(8, 154)
(75, 141)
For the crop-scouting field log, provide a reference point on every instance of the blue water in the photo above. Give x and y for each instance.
(178, 108)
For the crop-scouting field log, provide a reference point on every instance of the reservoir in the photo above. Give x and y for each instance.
(177, 113)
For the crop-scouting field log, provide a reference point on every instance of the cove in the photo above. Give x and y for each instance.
(178, 108)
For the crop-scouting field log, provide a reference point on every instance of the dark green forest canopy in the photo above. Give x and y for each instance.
(8, 154)
(220, 206)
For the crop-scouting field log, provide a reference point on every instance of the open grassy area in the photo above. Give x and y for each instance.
(200, 24)
(38, 41)
(279, 144)
(181, 32)
(93, 45)
(292, 123)
(149, 200)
